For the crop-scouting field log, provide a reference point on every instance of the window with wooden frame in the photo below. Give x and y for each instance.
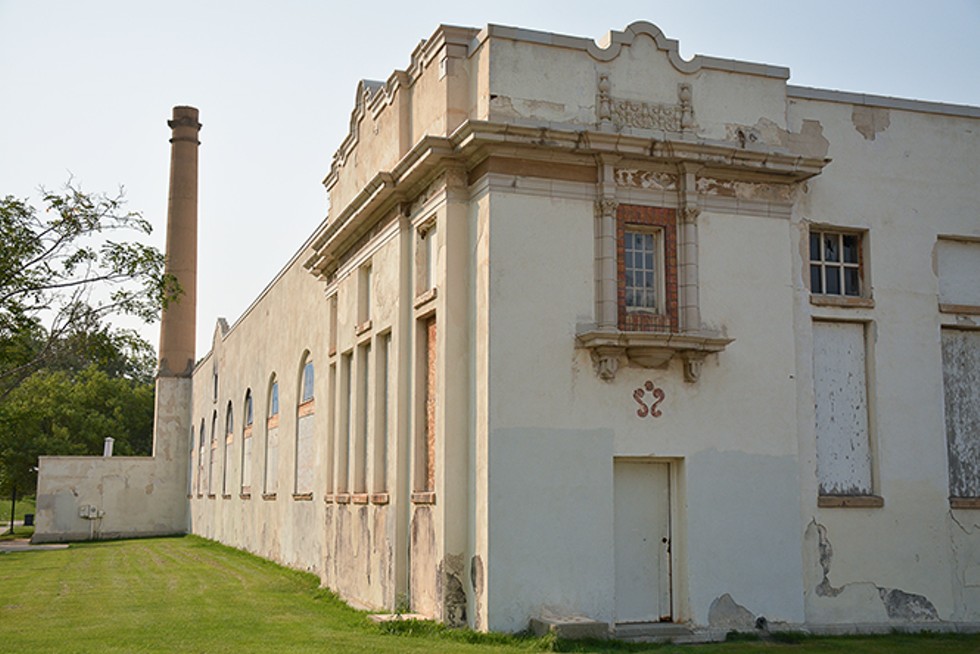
(647, 268)
(836, 263)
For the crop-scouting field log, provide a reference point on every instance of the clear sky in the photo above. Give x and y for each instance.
(87, 88)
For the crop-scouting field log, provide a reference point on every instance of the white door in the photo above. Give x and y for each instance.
(641, 504)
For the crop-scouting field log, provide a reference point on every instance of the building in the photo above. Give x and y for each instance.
(594, 332)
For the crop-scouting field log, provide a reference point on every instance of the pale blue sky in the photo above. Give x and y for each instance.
(88, 86)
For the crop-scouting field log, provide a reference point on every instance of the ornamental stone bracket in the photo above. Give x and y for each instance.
(610, 349)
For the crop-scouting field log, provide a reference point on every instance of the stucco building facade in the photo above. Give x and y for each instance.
(593, 330)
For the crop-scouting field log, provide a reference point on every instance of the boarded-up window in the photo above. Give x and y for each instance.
(344, 424)
(246, 463)
(381, 413)
(190, 465)
(200, 460)
(329, 457)
(961, 390)
(841, 398)
(272, 440)
(363, 418)
(959, 273)
(425, 459)
(228, 455)
(305, 436)
(214, 452)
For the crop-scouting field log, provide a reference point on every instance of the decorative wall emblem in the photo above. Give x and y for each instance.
(646, 179)
(645, 115)
(649, 407)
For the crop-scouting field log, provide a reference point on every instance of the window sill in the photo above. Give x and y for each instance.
(226, 496)
(424, 497)
(850, 502)
(272, 422)
(425, 297)
(967, 309)
(964, 502)
(359, 498)
(842, 301)
(268, 496)
(211, 496)
(307, 408)
(649, 350)
(380, 498)
(363, 327)
(303, 497)
(342, 498)
(244, 496)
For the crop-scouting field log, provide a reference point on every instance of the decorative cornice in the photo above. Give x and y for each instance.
(475, 141)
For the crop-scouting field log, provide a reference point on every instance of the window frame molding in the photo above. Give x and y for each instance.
(865, 298)
(616, 338)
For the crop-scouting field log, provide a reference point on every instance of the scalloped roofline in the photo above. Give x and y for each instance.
(612, 43)
(374, 96)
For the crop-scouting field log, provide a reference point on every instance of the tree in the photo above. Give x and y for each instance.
(68, 378)
(56, 412)
(62, 267)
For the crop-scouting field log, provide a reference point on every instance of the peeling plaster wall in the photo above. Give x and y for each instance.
(527, 433)
(551, 525)
(555, 81)
(133, 496)
(554, 422)
(904, 179)
(348, 546)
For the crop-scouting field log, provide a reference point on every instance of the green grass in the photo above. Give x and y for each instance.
(191, 595)
(24, 505)
(18, 533)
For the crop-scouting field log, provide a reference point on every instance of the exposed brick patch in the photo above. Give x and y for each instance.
(665, 219)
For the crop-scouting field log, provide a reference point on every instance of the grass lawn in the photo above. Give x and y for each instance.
(191, 595)
(24, 505)
(18, 533)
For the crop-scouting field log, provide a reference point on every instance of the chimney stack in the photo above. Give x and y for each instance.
(179, 321)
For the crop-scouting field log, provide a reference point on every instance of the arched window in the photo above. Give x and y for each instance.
(305, 411)
(228, 452)
(272, 441)
(246, 463)
(190, 463)
(307, 393)
(200, 461)
(214, 452)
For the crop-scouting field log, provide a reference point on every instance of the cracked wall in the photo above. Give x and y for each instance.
(964, 537)
(855, 601)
